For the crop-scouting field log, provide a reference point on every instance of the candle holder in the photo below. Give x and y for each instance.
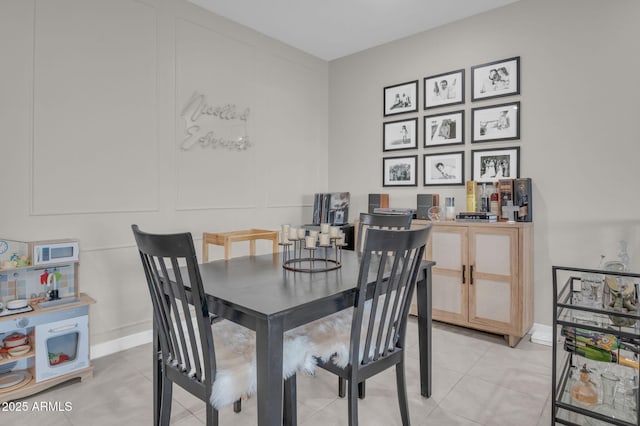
(321, 258)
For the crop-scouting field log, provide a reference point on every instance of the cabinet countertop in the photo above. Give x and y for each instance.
(488, 224)
(84, 300)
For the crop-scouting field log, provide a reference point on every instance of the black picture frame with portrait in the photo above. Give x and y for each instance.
(444, 89)
(444, 129)
(444, 169)
(400, 98)
(400, 171)
(400, 135)
(495, 79)
(495, 123)
(490, 165)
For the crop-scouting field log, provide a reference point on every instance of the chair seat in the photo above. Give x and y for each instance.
(236, 361)
(330, 337)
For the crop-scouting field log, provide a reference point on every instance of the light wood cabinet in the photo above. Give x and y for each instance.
(483, 276)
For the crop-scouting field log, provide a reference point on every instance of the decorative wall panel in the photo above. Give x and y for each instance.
(215, 145)
(94, 125)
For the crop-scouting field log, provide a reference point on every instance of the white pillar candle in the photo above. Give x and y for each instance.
(314, 234)
(324, 239)
(284, 235)
(310, 241)
(301, 233)
(333, 231)
(324, 228)
(340, 240)
(293, 233)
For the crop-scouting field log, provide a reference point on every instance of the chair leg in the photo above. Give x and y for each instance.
(290, 409)
(361, 390)
(212, 415)
(165, 401)
(402, 393)
(353, 402)
(237, 406)
(342, 384)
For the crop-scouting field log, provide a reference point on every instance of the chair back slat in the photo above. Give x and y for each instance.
(380, 221)
(180, 309)
(379, 322)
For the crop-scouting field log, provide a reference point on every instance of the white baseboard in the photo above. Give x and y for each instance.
(121, 344)
(542, 334)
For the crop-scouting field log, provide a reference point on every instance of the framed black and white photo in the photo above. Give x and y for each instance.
(489, 165)
(401, 98)
(495, 123)
(444, 129)
(400, 171)
(400, 134)
(495, 79)
(444, 89)
(446, 168)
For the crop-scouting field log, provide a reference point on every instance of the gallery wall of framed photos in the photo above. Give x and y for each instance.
(493, 117)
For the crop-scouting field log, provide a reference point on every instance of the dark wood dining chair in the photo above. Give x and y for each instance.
(374, 221)
(201, 357)
(388, 274)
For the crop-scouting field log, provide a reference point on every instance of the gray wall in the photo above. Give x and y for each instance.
(579, 134)
(91, 100)
(92, 94)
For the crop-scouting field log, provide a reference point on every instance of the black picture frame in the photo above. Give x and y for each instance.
(495, 79)
(443, 169)
(399, 135)
(495, 122)
(490, 165)
(400, 98)
(400, 171)
(444, 129)
(444, 89)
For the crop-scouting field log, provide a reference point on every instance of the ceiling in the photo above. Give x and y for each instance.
(331, 29)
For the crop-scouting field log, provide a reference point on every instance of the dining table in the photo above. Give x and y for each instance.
(259, 293)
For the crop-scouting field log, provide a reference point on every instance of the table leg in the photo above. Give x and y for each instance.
(252, 248)
(205, 250)
(425, 342)
(269, 338)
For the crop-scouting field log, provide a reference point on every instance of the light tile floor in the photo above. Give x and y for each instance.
(477, 380)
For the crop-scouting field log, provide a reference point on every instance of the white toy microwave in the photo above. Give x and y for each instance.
(59, 251)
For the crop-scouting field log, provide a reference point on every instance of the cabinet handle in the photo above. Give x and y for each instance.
(471, 275)
(464, 270)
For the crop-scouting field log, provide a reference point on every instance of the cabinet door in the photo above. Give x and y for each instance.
(448, 248)
(493, 278)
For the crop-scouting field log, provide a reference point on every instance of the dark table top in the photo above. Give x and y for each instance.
(261, 287)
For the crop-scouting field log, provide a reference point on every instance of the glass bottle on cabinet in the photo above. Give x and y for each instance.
(596, 342)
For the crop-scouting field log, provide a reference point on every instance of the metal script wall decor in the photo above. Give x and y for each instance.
(201, 119)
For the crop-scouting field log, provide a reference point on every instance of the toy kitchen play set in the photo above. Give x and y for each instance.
(44, 319)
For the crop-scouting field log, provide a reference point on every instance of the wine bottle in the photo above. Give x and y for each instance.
(597, 354)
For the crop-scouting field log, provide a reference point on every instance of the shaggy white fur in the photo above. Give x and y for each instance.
(235, 348)
(325, 339)
(330, 337)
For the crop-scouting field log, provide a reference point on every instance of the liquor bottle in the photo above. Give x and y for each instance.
(494, 205)
(484, 198)
(472, 196)
(584, 390)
